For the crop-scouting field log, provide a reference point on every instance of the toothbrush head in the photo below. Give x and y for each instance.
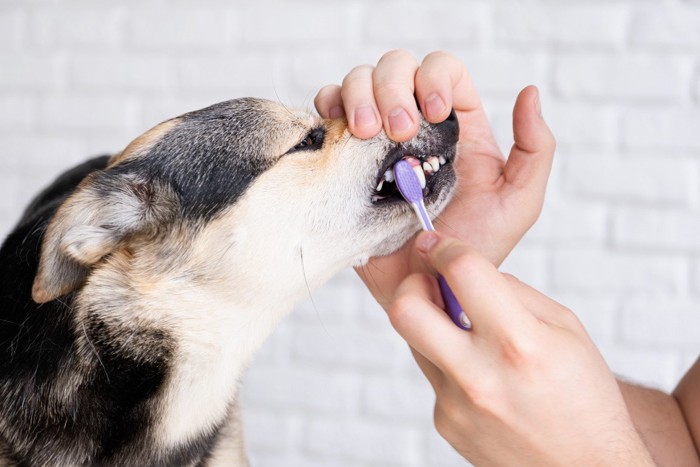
(407, 182)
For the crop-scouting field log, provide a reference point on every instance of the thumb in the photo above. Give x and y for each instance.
(482, 291)
(530, 160)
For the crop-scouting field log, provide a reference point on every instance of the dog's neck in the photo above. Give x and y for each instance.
(216, 307)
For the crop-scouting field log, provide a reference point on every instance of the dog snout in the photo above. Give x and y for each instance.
(449, 128)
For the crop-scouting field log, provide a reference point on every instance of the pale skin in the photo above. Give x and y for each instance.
(526, 386)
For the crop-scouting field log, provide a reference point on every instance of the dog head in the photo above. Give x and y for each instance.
(240, 190)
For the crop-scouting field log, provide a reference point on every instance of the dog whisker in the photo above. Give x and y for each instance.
(308, 289)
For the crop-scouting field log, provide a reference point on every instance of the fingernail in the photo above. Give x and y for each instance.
(538, 104)
(399, 121)
(426, 241)
(364, 116)
(434, 106)
(336, 112)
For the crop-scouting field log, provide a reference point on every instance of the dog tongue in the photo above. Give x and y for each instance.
(417, 168)
(412, 160)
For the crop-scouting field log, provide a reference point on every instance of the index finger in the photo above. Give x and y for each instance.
(443, 83)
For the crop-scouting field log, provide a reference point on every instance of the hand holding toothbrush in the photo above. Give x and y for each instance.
(497, 200)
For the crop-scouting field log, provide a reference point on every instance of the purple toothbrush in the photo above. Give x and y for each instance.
(410, 188)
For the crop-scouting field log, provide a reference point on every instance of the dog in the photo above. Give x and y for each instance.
(137, 287)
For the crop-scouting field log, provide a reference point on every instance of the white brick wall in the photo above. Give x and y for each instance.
(618, 241)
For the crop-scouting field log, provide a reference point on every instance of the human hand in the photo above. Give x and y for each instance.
(496, 201)
(526, 386)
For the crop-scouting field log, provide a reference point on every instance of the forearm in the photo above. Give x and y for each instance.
(687, 393)
(661, 424)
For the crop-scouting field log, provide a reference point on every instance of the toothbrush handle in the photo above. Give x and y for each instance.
(452, 306)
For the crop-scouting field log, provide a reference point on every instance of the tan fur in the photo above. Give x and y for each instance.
(140, 145)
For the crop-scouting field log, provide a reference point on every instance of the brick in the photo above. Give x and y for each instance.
(297, 23)
(371, 443)
(396, 27)
(600, 271)
(25, 152)
(649, 179)
(266, 430)
(570, 221)
(336, 303)
(10, 198)
(84, 113)
(651, 367)
(12, 29)
(505, 73)
(30, 71)
(121, 72)
(298, 388)
(331, 346)
(581, 25)
(79, 26)
(328, 66)
(441, 454)
(661, 322)
(581, 125)
(671, 26)
(661, 128)
(249, 71)
(598, 313)
(667, 229)
(370, 314)
(17, 112)
(529, 264)
(398, 398)
(181, 27)
(625, 77)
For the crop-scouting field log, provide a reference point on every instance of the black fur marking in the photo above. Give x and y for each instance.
(62, 403)
(202, 159)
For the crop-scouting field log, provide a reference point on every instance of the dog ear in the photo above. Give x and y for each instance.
(104, 211)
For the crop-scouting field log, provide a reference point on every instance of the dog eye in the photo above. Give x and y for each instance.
(311, 142)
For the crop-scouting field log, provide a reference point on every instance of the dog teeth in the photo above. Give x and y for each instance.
(421, 175)
(389, 175)
(434, 163)
(381, 185)
(428, 168)
(442, 160)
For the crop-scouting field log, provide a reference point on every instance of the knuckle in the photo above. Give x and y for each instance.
(519, 351)
(397, 54)
(391, 87)
(440, 55)
(511, 279)
(464, 264)
(569, 320)
(400, 309)
(360, 72)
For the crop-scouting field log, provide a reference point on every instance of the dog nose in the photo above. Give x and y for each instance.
(450, 126)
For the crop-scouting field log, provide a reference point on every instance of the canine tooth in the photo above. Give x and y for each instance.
(442, 160)
(434, 163)
(389, 176)
(421, 175)
(428, 168)
(380, 186)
